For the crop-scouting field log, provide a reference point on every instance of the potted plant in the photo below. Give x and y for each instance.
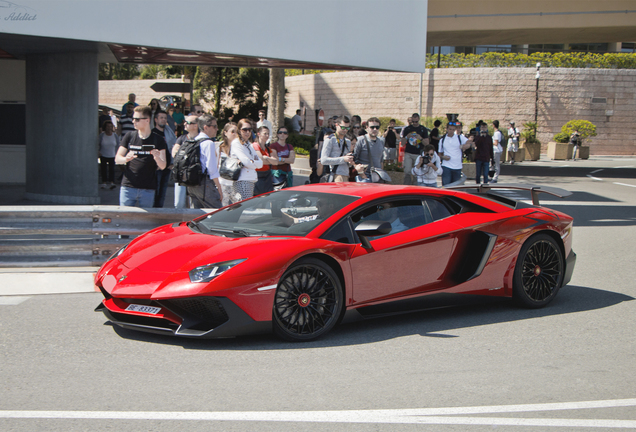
(561, 149)
(531, 145)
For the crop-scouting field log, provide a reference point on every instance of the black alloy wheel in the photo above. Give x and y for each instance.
(308, 301)
(539, 272)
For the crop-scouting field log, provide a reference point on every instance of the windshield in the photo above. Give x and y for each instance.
(282, 213)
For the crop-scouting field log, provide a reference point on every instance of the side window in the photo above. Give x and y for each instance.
(340, 232)
(438, 209)
(401, 214)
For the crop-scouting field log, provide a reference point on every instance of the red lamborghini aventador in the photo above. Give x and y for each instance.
(296, 261)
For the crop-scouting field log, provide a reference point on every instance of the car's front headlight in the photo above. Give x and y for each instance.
(208, 272)
(119, 252)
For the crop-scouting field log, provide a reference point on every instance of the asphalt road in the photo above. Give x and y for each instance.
(475, 367)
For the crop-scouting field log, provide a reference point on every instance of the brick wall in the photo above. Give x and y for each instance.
(483, 93)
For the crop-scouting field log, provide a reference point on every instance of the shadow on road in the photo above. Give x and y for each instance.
(447, 313)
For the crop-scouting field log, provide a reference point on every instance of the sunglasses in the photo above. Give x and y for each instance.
(199, 112)
(246, 129)
(283, 133)
(136, 119)
(356, 127)
(374, 127)
(344, 127)
(191, 123)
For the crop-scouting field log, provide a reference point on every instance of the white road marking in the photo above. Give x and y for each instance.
(595, 171)
(624, 184)
(560, 166)
(594, 178)
(626, 166)
(448, 416)
(28, 283)
(12, 300)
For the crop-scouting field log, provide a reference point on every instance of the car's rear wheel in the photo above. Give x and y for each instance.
(539, 272)
(308, 301)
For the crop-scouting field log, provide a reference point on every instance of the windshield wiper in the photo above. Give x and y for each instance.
(237, 232)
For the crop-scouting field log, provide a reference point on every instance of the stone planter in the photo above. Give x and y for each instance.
(559, 151)
(397, 177)
(532, 151)
(520, 156)
(469, 170)
(584, 152)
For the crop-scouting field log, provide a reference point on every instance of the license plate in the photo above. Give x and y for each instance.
(143, 308)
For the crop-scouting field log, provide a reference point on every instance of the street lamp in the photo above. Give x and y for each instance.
(536, 94)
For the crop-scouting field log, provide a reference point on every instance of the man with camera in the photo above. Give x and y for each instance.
(369, 149)
(513, 142)
(414, 137)
(143, 153)
(428, 167)
(336, 151)
(575, 140)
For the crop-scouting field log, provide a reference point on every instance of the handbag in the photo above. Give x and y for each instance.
(331, 175)
(230, 168)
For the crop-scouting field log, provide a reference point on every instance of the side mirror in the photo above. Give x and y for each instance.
(371, 229)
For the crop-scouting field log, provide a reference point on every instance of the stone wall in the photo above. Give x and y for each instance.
(605, 97)
(114, 93)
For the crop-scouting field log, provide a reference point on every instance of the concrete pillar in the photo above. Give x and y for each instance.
(615, 47)
(61, 128)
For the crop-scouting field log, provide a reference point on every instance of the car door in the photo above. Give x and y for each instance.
(412, 258)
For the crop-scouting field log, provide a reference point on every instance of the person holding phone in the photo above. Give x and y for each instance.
(143, 153)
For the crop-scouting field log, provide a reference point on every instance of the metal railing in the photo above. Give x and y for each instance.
(72, 236)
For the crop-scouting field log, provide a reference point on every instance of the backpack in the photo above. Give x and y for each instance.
(187, 169)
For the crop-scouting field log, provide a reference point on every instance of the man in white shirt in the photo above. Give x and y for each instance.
(513, 142)
(208, 194)
(262, 121)
(451, 148)
(497, 149)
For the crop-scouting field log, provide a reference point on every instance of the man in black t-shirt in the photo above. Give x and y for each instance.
(390, 143)
(434, 135)
(414, 137)
(143, 153)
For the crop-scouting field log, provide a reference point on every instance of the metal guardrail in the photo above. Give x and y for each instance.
(72, 236)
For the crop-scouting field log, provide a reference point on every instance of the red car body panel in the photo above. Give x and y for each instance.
(422, 260)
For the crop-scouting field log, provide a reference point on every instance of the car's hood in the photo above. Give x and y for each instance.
(170, 249)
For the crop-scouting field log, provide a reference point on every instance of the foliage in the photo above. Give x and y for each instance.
(294, 72)
(249, 90)
(562, 137)
(563, 60)
(393, 167)
(212, 84)
(384, 122)
(429, 123)
(586, 129)
(529, 133)
(302, 143)
(118, 71)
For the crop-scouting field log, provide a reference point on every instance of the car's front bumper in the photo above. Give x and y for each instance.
(569, 267)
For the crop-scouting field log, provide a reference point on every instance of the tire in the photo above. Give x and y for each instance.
(308, 301)
(539, 272)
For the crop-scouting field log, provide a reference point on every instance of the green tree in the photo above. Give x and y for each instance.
(249, 90)
(118, 71)
(585, 128)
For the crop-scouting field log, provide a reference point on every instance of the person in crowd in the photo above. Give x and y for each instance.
(483, 153)
(336, 151)
(163, 176)
(241, 148)
(264, 174)
(451, 148)
(428, 167)
(414, 138)
(390, 143)
(434, 135)
(178, 118)
(154, 106)
(497, 149)
(296, 122)
(229, 134)
(191, 127)
(208, 194)
(143, 153)
(131, 100)
(575, 140)
(262, 121)
(108, 145)
(358, 127)
(126, 120)
(103, 117)
(197, 110)
(369, 150)
(513, 142)
(284, 153)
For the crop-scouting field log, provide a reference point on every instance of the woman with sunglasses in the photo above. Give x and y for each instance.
(286, 156)
(154, 106)
(241, 148)
(229, 134)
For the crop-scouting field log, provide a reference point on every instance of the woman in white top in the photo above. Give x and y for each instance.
(242, 149)
(497, 149)
(108, 145)
(229, 134)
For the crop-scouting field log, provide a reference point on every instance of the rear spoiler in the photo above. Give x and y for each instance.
(534, 189)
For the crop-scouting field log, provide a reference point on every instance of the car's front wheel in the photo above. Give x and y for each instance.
(308, 301)
(539, 272)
